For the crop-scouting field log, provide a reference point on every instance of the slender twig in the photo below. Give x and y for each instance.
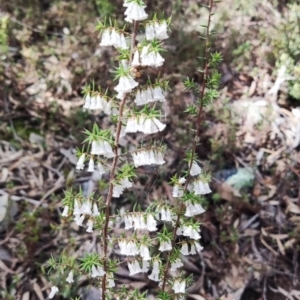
(113, 170)
(195, 142)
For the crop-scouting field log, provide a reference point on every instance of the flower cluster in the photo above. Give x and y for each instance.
(110, 37)
(144, 123)
(81, 211)
(189, 231)
(149, 95)
(102, 147)
(134, 267)
(179, 286)
(120, 186)
(194, 246)
(97, 271)
(99, 102)
(137, 220)
(148, 157)
(156, 30)
(201, 187)
(149, 57)
(171, 231)
(131, 248)
(165, 214)
(135, 11)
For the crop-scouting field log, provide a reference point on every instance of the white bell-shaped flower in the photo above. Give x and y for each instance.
(79, 219)
(184, 249)
(165, 246)
(179, 231)
(195, 169)
(144, 252)
(128, 220)
(150, 32)
(95, 212)
(126, 84)
(147, 126)
(70, 278)
(193, 250)
(177, 191)
(106, 38)
(114, 37)
(145, 266)
(176, 265)
(151, 223)
(80, 163)
(90, 225)
(132, 125)
(93, 102)
(110, 281)
(158, 94)
(99, 102)
(77, 208)
(87, 102)
(198, 247)
(161, 30)
(101, 272)
(155, 271)
(86, 208)
(136, 59)
(120, 95)
(91, 167)
(100, 168)
(54, 290)
(123, 246)
(107, 109)
(65, 211)
(122, 42)
(182, 180)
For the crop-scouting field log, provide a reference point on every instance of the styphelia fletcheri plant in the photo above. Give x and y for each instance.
(136, 107)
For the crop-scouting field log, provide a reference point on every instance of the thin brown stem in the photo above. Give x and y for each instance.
(113, 170)
(195, 142)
